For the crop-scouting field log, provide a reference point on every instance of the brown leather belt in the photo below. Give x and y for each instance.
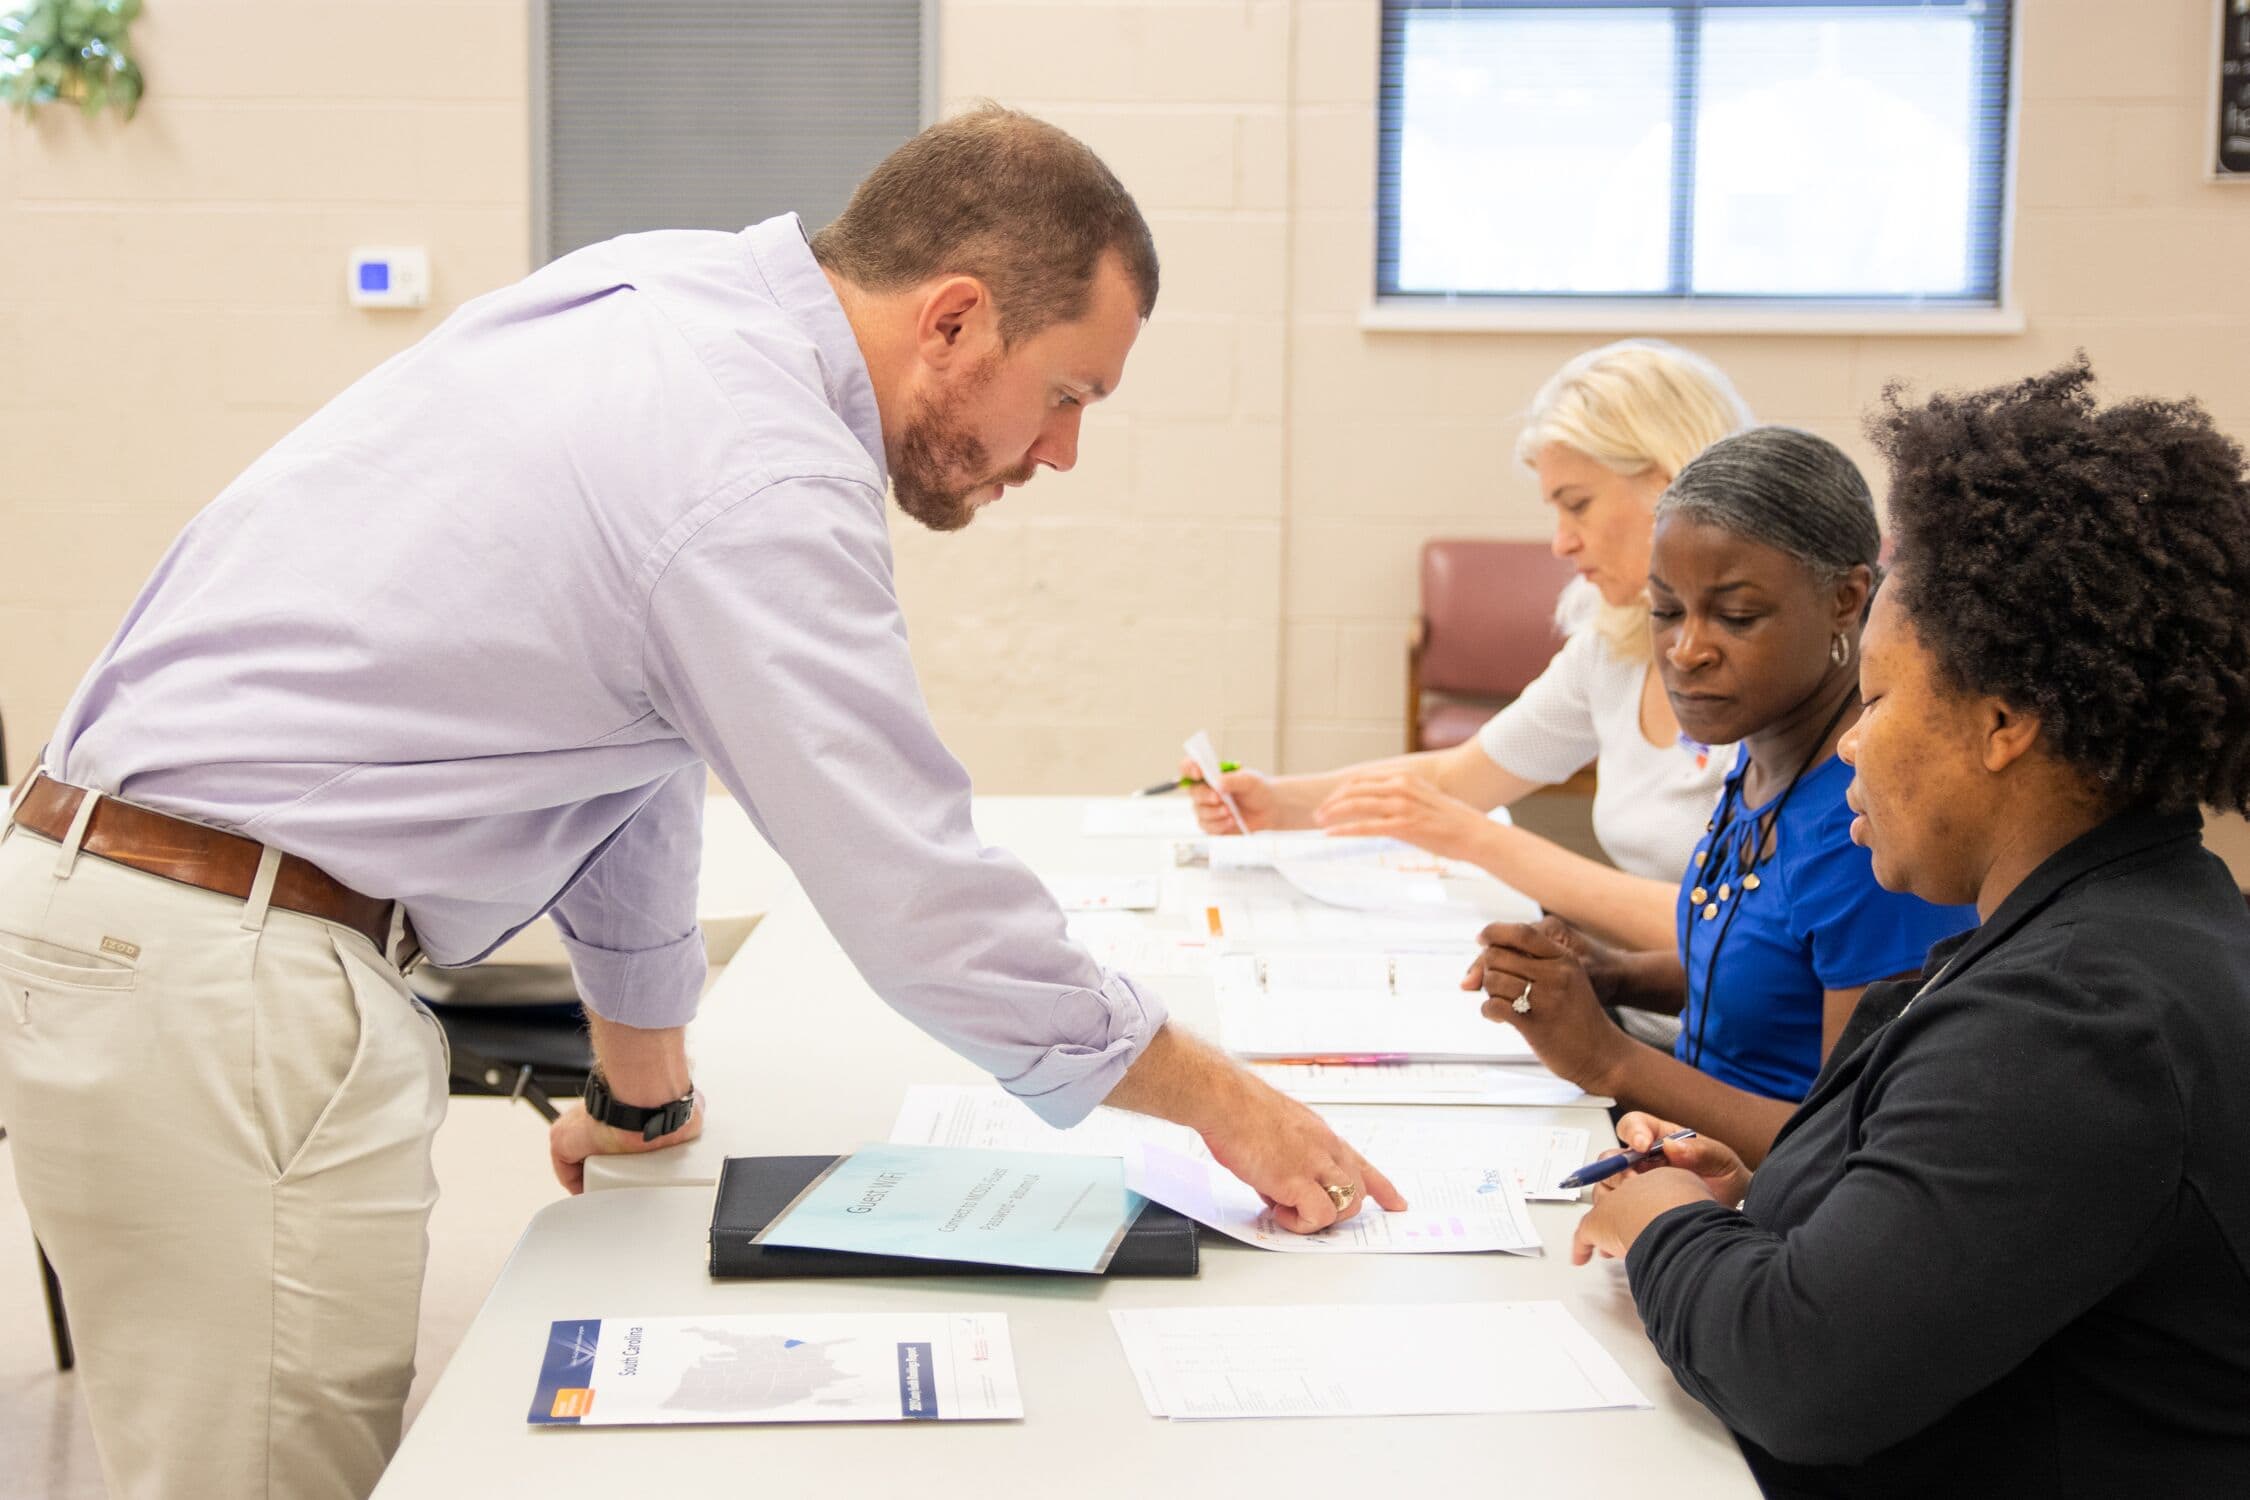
(193, 854)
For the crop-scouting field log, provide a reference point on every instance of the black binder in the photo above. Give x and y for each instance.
(752, 1189)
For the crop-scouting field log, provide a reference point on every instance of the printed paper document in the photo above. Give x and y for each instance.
(1202, 1363)
(818, 1367)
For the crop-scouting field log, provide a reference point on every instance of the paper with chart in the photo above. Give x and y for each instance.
(1419, 1083)
(1121, 940)
(818, 1367)
(985, 1117)
(1077, 893)
(1449, 1209)
(1368, 1360)
(1358, 1012)
(1042, 1210)
(1171, 817)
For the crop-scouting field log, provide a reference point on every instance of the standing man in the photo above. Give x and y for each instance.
(457, 653)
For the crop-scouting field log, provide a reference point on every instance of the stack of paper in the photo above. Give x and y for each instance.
(1204, 1363)
(1120, 940)
(1449, 1209)
(1170, 817)
(1105, 892)
(1535, 1158)
(814, 1367)
(1344, 1007)
(1418, 1083)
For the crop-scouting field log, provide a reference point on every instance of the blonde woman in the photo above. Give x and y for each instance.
(1605, 436)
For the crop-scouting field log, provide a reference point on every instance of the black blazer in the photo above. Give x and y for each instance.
(2003, 1248)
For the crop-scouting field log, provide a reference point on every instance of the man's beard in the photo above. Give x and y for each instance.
(936, 447)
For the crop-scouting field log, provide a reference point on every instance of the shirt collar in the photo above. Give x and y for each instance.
(782, 255)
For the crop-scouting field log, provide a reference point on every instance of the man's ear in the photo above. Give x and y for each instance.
(955, 321)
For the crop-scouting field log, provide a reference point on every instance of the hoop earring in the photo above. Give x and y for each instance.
(1840, 650)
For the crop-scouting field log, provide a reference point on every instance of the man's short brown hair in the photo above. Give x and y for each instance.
(1024, 207)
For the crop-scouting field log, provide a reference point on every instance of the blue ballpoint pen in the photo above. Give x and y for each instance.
(1610, 1166)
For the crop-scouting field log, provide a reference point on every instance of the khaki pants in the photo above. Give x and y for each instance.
(222, 1117)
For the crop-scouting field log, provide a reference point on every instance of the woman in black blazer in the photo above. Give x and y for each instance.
(2004, 1246)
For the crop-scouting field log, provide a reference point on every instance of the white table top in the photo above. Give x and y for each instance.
(798, 1056)
(1086, 1433)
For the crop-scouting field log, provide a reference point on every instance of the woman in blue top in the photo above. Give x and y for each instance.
(1761, 571)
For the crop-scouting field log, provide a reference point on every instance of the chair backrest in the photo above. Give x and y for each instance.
(1489, 614)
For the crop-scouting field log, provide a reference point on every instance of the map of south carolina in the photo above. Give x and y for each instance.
(759, 1372)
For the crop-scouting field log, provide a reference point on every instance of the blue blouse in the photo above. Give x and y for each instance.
(1811, 919)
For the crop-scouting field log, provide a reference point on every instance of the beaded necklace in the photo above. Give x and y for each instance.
(1751, 854)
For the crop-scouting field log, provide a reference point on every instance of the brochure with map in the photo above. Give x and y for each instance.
(820, 1367)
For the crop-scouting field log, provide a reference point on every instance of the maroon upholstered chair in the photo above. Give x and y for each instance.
(1486, 629)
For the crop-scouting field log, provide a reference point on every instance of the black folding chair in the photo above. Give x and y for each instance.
(517, 1032)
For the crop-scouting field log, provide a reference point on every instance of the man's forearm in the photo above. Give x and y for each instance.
(1184, 1079)
(645, 1067)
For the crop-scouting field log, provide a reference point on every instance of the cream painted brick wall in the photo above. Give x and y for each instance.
(171, 290)
(1236, 547)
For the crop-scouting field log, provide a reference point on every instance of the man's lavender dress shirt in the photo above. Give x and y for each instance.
(469, 637)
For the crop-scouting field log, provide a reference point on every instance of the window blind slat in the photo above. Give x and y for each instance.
(713, 114)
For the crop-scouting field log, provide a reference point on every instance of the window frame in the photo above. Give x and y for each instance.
(1986, 308)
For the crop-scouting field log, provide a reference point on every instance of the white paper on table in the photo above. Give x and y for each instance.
(1170, 817)
(1536, 1157)
(1263, 910)
(1105, 892)
(1302, 969)
(778, 1367)
(1449, 1209)
(1358, 1026)
(987, 1117)
(1368, 1360)
(1419, 1083)
(1120, 940)
(1360, 888)
(1206, 757)
(1268, 848)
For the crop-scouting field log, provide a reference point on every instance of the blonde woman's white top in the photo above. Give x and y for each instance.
(1652, 801)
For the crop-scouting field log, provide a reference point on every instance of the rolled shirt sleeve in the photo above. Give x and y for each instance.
(628, 921)
(776, 646)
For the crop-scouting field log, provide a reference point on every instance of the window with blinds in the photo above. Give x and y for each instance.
(714, 114)
(1707, 152)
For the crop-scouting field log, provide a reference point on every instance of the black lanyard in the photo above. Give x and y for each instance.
(1718, 828)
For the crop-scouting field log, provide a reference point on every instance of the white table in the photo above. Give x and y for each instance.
(799, 1057)
(1086, 1434)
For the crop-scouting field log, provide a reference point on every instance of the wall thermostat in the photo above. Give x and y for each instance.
(389, 276)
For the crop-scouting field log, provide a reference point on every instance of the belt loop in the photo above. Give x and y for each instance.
(67, 860)
(261, 890)
(403, 949)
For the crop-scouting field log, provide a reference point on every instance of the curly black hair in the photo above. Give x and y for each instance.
(2089, 565)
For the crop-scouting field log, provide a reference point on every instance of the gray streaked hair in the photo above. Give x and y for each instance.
(1792, 490)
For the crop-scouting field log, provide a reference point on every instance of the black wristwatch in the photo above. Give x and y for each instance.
(651, 1123)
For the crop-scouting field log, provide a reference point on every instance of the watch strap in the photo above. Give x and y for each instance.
(649, 1123)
